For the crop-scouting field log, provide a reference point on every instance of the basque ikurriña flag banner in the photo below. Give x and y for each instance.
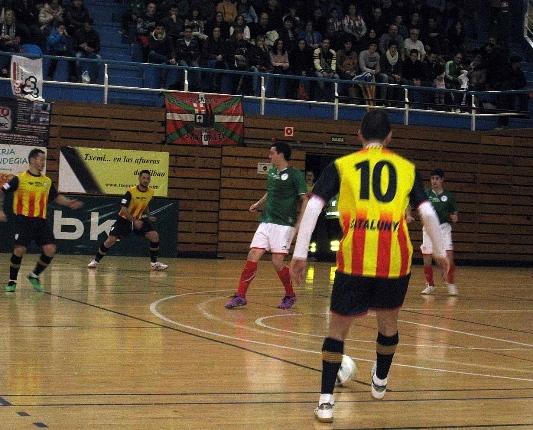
(204, 119)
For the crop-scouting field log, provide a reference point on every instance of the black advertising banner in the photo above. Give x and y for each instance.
(80, 231)
(23, 122)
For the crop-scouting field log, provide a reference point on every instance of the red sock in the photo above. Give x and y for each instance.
(285, 278)
(247, 276)
(428, 273)
(451, 274)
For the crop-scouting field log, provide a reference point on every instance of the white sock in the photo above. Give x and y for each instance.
(378, 381)
(326, 398)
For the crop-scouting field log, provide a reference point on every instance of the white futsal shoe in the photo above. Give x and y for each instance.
(92, 264)
(158, 266)
(378, 387)
(430, 289)
(324, 410)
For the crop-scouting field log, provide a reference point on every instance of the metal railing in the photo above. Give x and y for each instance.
(470, 106)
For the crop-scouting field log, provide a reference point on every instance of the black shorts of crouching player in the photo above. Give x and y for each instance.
(355, 295)
(122, 228)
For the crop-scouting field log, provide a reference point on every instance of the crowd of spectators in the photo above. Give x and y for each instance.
(49, 27)
(426, 43)
(423, 43)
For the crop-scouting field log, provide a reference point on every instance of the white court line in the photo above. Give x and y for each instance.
(154, 305)
(259, 322)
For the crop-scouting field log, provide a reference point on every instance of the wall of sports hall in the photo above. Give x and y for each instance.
(490, 172)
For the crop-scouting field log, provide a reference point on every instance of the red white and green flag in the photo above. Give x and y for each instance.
(204, 119)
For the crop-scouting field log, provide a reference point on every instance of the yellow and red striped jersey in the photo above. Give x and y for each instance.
(30, 194)
(136, 202)
(374, 188)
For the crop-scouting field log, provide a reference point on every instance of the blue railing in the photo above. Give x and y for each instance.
(266, 92)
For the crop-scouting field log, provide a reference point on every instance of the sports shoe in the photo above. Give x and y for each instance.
(324, 413)
(235, 302)
(430, 289)
(11, 287)
(452, 289)
(92, 264)
(35, 282)
(377, 390)
(287, 302)
(158, 266)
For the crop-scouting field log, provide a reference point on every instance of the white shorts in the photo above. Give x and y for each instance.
(273, 237)
(446, 234)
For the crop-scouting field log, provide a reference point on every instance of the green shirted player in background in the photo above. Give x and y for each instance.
(286, 188)
(444, 204)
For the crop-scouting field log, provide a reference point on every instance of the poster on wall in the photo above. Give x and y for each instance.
(204, 119)
(27, 78)
(14, 159)
(23, 122)
(80, 231)
(110, 171)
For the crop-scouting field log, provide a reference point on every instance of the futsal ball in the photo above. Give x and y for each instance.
(347, 371)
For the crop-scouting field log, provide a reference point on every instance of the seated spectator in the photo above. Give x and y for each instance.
(453, 70)
(273, 10)
(76, 14)
(370, 37)
(49, 15)
(173, 24)
(456, 38)
(27, 18)
(197, 24)
(402, 28)
(259, 61)
(213, 57)
(319, 20)
(288, 34)
(219, 22)
(228, 10)
(478, 74)
(61, 44)
(433, 35)
(279, 58)
(263, 26)
(376, 21)
(145, 26)
(130, 18)
(347, 61)
(354, 24)
(161, 47)
(413, 74)
(88, 46)
(391, 36)
(238, 54)
(413, 43)
(312, 38)
(516, 80)
(301, 61)
(334, 24)
(10, 40)
(369, 63)
(240, 23)
(245, 8)
(292, 13)
(414, 22)
(391, 69)
(325, 62)
(188, 54)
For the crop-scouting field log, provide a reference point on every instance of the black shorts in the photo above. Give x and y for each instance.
(28, 229)
(123, 228)
(354, 295)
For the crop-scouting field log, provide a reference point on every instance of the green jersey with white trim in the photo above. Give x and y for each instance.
(284, 189)
(443, 203)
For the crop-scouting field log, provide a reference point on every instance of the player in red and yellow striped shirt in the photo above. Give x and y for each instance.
(31, 193)
(375, 186)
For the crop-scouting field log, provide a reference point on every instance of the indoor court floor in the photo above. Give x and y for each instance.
(121, 347)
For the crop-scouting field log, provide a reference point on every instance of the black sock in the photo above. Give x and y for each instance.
(385, 349)
(102, 251)
(332, 351)
(42, 264)
(154, 251)
(14, 267)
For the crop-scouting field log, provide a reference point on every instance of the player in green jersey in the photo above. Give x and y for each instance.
(446, 208)
(286, 188)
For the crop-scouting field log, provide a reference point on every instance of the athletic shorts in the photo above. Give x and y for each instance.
(354, 295)
(446, 234)
(273, 237)
(32, 229)
(123, 228)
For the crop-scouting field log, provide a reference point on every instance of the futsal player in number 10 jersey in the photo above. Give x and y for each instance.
(374, 186)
